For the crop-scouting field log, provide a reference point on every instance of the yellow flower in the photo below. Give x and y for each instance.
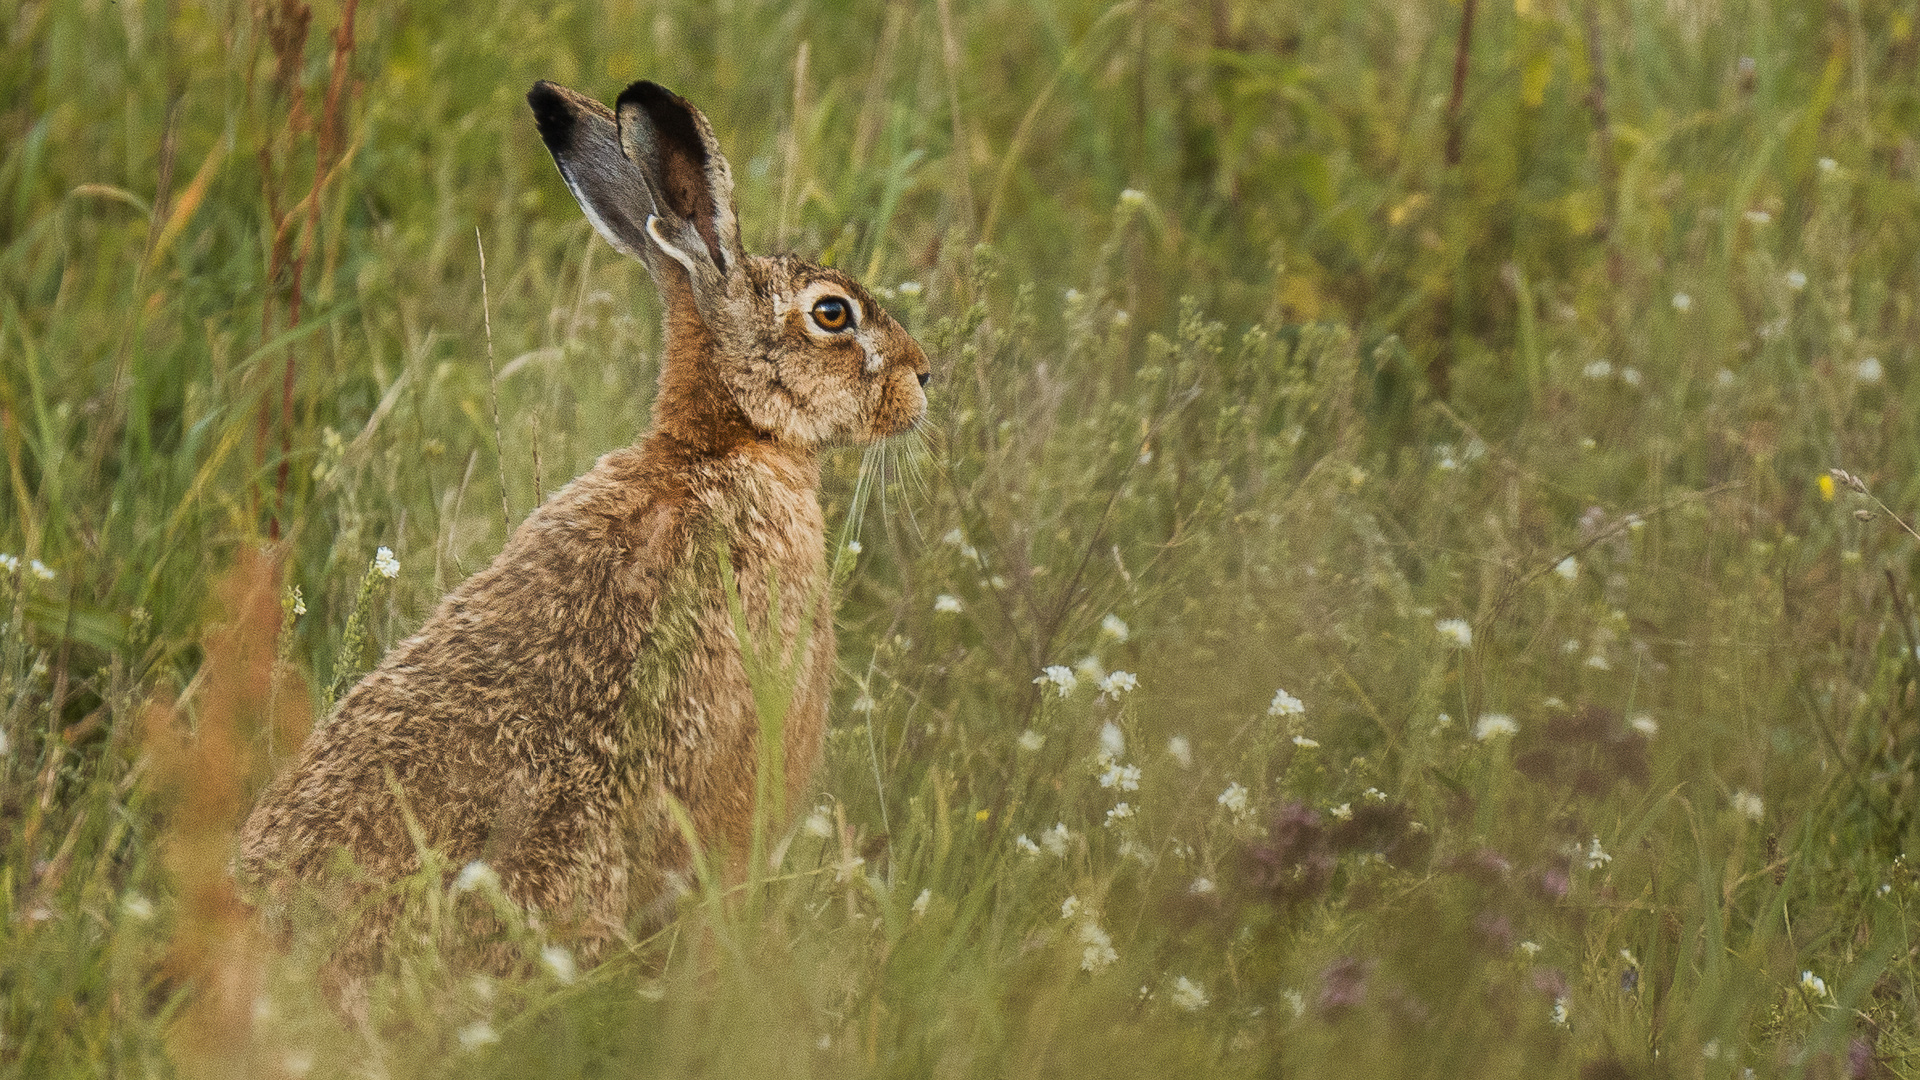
(1826, 487)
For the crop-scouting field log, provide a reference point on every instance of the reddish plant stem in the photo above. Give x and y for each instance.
(1458, 100)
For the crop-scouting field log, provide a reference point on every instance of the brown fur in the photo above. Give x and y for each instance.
(558, 702)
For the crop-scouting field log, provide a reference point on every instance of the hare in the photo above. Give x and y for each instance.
(558, 705)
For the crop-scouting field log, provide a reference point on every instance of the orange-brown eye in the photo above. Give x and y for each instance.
(832, 314)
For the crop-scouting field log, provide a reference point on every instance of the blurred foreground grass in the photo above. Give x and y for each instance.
(1514, 691)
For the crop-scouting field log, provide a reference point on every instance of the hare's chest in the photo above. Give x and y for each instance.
(741, 630)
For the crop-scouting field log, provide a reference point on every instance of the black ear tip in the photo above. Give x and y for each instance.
(649, 96)
(550, 113)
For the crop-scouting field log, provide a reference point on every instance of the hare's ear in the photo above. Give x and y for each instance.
(669, 141)
(584, 139)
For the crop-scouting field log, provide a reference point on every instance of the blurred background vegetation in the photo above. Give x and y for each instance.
(1270, 340)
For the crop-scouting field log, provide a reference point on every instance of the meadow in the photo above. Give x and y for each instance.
(1372, 598)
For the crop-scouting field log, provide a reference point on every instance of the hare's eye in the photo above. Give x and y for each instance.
(833, 314)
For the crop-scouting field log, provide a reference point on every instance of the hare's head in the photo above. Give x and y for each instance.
(806, 353)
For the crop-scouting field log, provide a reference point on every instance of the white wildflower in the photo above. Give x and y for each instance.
(1796, 280)
(1118, 683)
(385, 564)
(1202, 887)
(138, 907)
(1057, 840)
(854, 548)
(1058, 676)
(946, 604)
(1124, 777)
(1813, 984)
(1494, 724)
(475, 874)
(1599, 662)
(920, 902)
(1343, 812)
(1723, 377)
(477, 1034)
(1747, 805)
(1296, 1003)
(1375, 794)
(1828, 165)
(10, 563)
(39, 570)
(1121, 811)
(1188, 995)
(1133, 197)
(1645, 725)
(1237, 800)
(1442, 722)
(1682, 302)
(299, 603)
(1630, 376)
(1596, 857)
(1529, 949)
(1131, 850)
(1560, 1011)
(1868, 370)
(1455, 632)
(1113, 627)
(1090, 669)
(864, 703)
(818, 824)
(1181, 750)
(559, 961)
(1305, 743)
(1285, 704)
(1113, 741)
(909, 288)
(1121, 318)
(1098, 947)
(1757, 217)
(1025, 846)
(297, 1063)
(1597, 369)
(1568, 568)
(1031, 740)
(1710, 1050)
(954, 538)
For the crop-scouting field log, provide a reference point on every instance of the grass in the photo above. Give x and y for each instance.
(1241, 386)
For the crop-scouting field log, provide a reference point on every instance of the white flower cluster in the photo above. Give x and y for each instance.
(385, 564)
(1188, 995)
(1058, 676)
(1494, 725)
(1115, 775)
(475, 874)
(1117, 683)
(1237, 800)
(1097, 948)
(947, 604)
(1285, 704)
(10, 564)
(1457, 633)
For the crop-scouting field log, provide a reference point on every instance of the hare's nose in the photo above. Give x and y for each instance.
(923, 377)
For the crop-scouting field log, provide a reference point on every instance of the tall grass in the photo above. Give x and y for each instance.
(1509, 466)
